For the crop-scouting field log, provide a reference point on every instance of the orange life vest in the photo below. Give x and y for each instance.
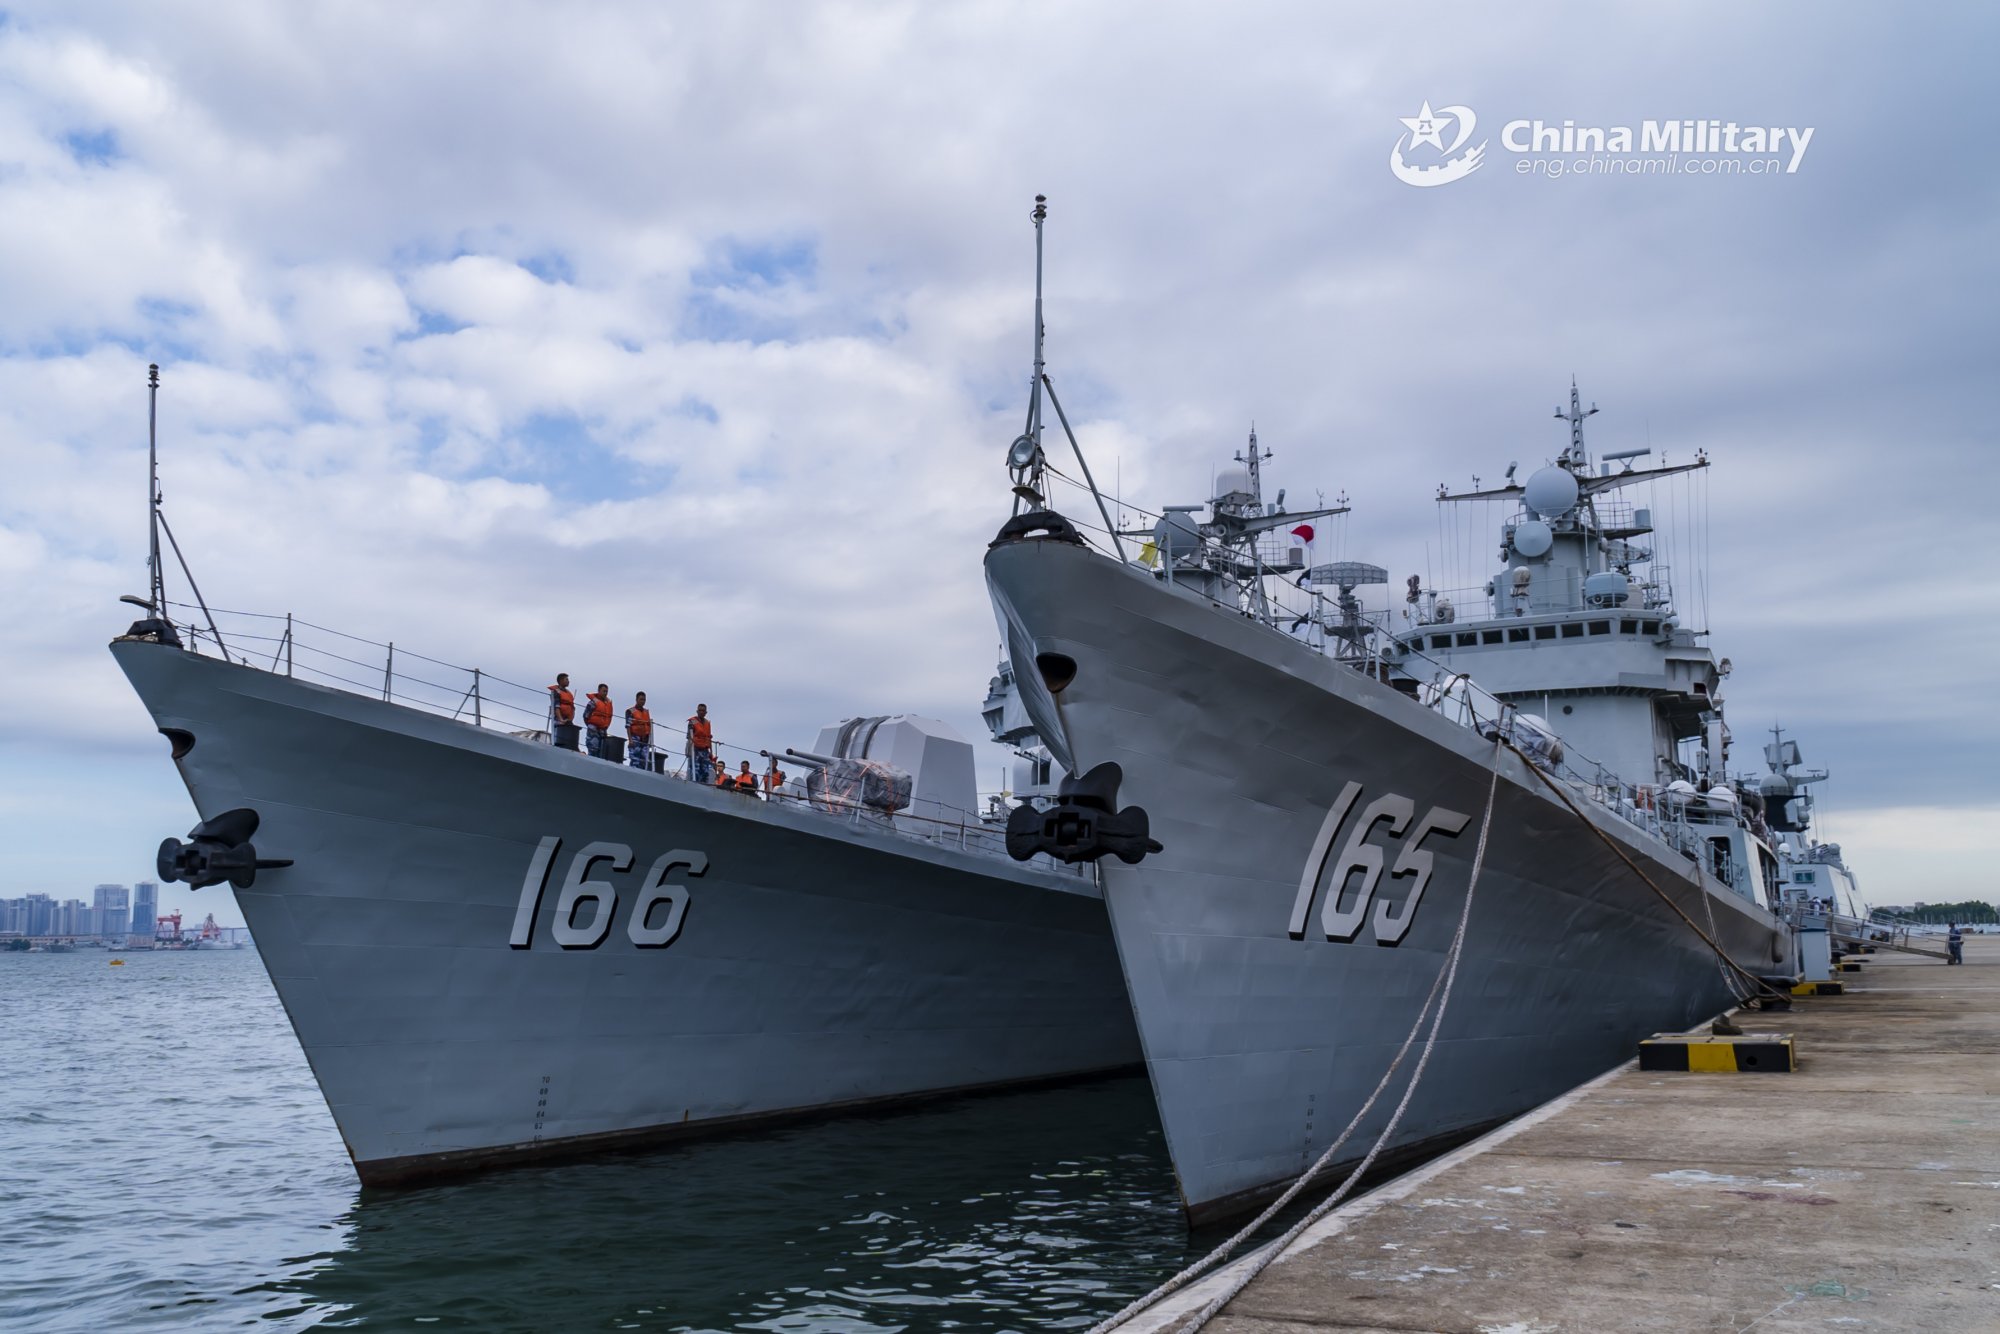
(639, 725)
(774, 779)
(722, 778)
(700, 733)
(565, 704)
(597, 713)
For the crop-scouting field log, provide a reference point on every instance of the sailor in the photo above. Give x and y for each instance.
(562, 704)
(745, 780)
(1954, 942)
(596, 718)
(774, 780)
(722, 778)
(701, 745)
(639, 733)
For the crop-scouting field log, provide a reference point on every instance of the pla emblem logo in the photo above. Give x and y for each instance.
(1426, 129)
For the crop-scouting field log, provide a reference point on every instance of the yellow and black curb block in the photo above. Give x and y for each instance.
(1850, 965)
(1748, 1053)
(1816, 988)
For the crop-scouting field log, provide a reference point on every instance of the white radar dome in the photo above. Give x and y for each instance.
(1232, 486)
(1551, 493)
(1533, 538)
(1177, 535)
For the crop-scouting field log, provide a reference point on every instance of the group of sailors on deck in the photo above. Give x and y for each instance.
(703, 767)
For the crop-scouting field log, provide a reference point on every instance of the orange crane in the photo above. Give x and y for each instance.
(168, 927)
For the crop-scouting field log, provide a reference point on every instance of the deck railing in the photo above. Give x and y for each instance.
(286, 645)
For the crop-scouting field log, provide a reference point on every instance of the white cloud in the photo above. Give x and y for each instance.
(679, 346)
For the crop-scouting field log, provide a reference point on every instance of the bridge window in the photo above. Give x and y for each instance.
(1545, 632)
(1440, 641)
(1628, 627)
(1517, 634)
(1573, 630)
(1650, 628)
(1467, 640)
(1600, 627)
(1489, 636)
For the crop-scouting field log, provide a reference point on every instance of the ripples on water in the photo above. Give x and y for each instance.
(168, 1161)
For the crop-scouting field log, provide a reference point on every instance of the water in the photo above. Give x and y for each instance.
(165, 1159)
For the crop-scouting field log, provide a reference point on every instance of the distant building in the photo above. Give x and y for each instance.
(111, 905)
(145, 907)
(38, 914)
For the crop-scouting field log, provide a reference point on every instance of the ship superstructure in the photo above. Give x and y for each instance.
(1285, 804)
(1807, 865)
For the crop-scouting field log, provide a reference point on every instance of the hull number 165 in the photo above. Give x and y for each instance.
(1343, 921)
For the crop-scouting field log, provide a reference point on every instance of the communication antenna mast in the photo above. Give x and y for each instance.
(1575, 454)
(156, 587)
(157, 524)
(1024, 457)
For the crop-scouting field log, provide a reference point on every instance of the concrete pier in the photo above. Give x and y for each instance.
(1861, 1192)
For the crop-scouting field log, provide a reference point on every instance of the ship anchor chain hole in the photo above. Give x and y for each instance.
(179, 738)
(1057, 669)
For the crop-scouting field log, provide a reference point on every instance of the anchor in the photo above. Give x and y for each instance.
(217, 850)
(1084, 824)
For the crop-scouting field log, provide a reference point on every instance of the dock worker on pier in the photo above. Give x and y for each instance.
(639, 733)
(596, 719)
(562, 704)
(1954, 943)
(700, 745)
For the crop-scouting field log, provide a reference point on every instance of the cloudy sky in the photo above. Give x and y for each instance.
(679, 346)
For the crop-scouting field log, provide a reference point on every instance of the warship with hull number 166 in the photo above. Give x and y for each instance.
(493, 948)
(1286, 805)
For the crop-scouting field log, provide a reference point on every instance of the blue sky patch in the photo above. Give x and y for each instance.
(93, 148)
(760, 264)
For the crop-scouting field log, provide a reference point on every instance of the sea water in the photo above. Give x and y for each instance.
(166, 1160)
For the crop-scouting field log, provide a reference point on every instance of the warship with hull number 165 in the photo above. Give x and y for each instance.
(1286, 806)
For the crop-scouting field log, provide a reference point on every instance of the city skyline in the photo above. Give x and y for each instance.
(139, 906)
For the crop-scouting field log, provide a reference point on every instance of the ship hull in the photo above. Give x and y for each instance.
(1263, 1040)
(465, 999)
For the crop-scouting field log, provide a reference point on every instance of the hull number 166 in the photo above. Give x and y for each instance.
(585, 907)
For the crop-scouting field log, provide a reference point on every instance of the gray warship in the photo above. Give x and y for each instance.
(1284, 793)
(493, 948)
(1809, 866)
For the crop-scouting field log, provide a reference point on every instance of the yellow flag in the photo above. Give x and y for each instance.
(1149, 554)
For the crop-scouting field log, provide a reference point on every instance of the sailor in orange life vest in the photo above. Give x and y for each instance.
(722, 778)
(701, 745)
(774, 780)
(745, 780)
(562, 704)
(596, 718)
(639, 733)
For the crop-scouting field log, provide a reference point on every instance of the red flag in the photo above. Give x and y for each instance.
(1304, 532)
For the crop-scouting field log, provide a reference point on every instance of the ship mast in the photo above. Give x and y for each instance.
(156, 583)
(1575, 457)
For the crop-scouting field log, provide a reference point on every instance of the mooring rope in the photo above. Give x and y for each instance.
(1440, 997)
